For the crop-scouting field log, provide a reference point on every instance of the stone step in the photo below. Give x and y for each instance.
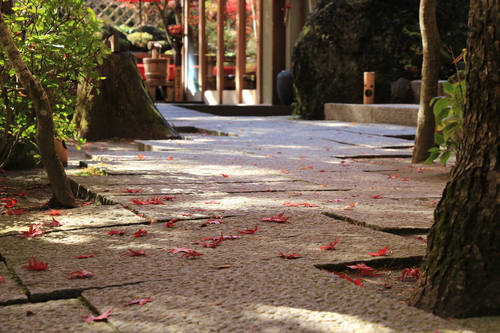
(396, 114)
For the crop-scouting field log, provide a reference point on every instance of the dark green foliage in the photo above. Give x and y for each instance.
(342, 39)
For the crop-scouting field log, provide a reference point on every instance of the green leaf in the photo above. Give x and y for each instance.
(439, 139)
(444, 158)
(432, 157)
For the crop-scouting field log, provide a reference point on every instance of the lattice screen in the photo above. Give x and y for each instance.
(133, 14)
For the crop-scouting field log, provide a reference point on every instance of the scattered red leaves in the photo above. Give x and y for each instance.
(53, 212)
(278, 218)
(364, 270)
(140, 232)
(292, 255)
(103, 317)
(34, 230)
(249, 231)
(84, 256)
(381, 252)
(331, 246)
(134, 253)
(80, 274)
(36, 265)
(141, 301)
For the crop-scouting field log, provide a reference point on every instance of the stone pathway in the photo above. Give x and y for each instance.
(350, 182)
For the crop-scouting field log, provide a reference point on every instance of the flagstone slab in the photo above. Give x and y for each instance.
(52, 316)
(204, 303)
(11, 291)
(111, 264)
(76, 218)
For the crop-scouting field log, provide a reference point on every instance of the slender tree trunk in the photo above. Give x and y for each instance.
(424, 139)
(62, 194)
(461, 270)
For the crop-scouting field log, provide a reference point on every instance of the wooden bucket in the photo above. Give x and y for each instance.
(156, 69)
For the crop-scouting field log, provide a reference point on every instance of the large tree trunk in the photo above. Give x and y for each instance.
(461, 270)
(119, 106)
(426, 124)
(62, 194)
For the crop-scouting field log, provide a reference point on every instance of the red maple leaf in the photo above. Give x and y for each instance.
(84, 256)
(55, 223)
(20, 194)
(171, 223)
(379, 196)
(219, 240)
(80, 274)
(9, 202)
(115, 232)
(36, 265)
(346, 277)
(134, 253)
(103, 317)
(140, 202)
(364, 269)
(53, 212)
(211, 202)
(215, 221)
(129, 190)
(141, 301)
(18, 211)
(180, 249)
(169, 197)
(191, 254)
(289, 256)
(2, 280)
(381, 252)
(278, 218)
(33, 231)
(140, 232)
(249, 231)
(84, 204)
(156, 201)
(330, 246)
(224, 175)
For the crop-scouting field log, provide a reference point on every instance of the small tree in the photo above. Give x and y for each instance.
(47, 46)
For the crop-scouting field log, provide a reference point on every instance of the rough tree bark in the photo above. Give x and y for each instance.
(119, 106)
(62, 194)
(461, 270)
(426, 124)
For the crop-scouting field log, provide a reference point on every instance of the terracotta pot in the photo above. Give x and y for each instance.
(62, 152)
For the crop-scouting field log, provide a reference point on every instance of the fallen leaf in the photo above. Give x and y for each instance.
(103, 317)
(140, 156)
(363, 269)
(9, 202)
(115, 232)
(36, 265)
(224, 175)
(249, 231)
(306, 168)
(215, 221)
(381, 252)
(379, 196)
(140, 232)
(134, 253)
(17, 211)
(80, 274)
(129, 190)
(405, 179)
(33, 231)
(141, 301)
(278, 218)
(84, 256)
(56, 223)
(292, 255)
(330, 246)
(53, 212)
(212, 202)
(180, 249)
(2, 280)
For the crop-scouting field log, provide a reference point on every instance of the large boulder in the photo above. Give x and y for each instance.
(344, 38)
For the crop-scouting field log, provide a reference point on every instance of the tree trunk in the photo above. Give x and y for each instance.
(119, 106)
(426, 123)
(62, 194)
(461, 270)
